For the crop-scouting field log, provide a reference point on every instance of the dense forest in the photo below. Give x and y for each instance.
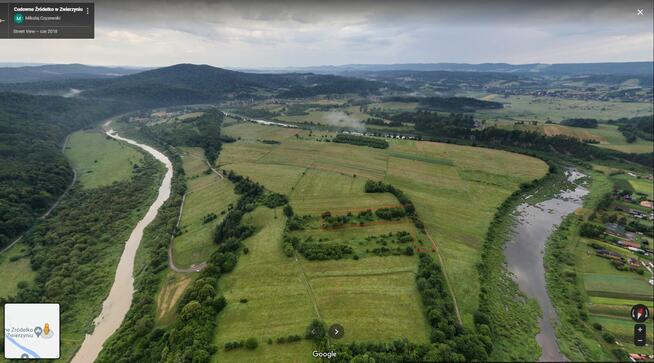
(73, 250)
(448, 104)
(33, 170)
(636, 127)
(588, 123)
(202, 131)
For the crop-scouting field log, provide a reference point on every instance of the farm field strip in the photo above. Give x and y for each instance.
(433, 178)
(207, 193)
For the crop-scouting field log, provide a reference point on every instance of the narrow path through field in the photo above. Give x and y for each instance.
(447, 279)
(171, 261)
(312, 296)
(54, 205)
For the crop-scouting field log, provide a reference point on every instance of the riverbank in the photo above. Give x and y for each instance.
(524, 255)
(118, 302)
(576, 337)
(511, 316)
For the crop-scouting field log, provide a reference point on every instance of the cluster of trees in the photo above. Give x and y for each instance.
(33, 170)
(448, 104)
(401, 237)
(324, 251)
(296, 223)
(300, 109)
(336, 221)
(388, 251)
(250, 344)
(591, 230)
(360, 141)
(270, 142)
(390, 213)
(409, 209)
(273, 200)
(633, 128)
(288, 339)
(202, 131)
(289, 244)
(380, 122)
(588, 123)
(230, 231)
(431, 122)
(209, 217)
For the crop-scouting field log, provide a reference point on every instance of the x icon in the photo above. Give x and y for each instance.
(641, 11)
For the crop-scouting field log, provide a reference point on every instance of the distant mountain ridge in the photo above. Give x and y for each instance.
(190, 83)
(54, 72)
(636, 68)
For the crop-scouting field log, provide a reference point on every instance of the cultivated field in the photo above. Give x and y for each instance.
(606, 135)
(207, 193)
(455, 189)
(278, 299)
(99, 160)
(533, 108)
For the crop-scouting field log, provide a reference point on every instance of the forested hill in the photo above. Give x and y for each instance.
(194, 84)
(33, 170)
(188, 83)
(50, 72)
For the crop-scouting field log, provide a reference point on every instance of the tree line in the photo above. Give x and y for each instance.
(462, 128)
(360, 141)
(449, 341)
(447, 104)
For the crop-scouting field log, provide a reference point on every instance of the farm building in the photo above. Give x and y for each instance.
(647, 204)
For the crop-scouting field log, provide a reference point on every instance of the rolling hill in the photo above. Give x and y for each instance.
(52, 72)
(189, 83)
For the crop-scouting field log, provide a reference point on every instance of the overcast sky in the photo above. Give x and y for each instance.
(265, 34)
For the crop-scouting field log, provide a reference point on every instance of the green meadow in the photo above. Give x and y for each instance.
(536, 108)
(207, 193)
(100, 160)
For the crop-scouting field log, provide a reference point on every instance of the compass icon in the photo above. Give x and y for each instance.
(639, 313)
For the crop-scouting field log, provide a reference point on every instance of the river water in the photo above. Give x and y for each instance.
(115, 307)
(524, 256)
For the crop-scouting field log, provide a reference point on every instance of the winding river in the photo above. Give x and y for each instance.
(117, 303)
(524, 256)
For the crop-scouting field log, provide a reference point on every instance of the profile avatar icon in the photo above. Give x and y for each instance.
(19, 18)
